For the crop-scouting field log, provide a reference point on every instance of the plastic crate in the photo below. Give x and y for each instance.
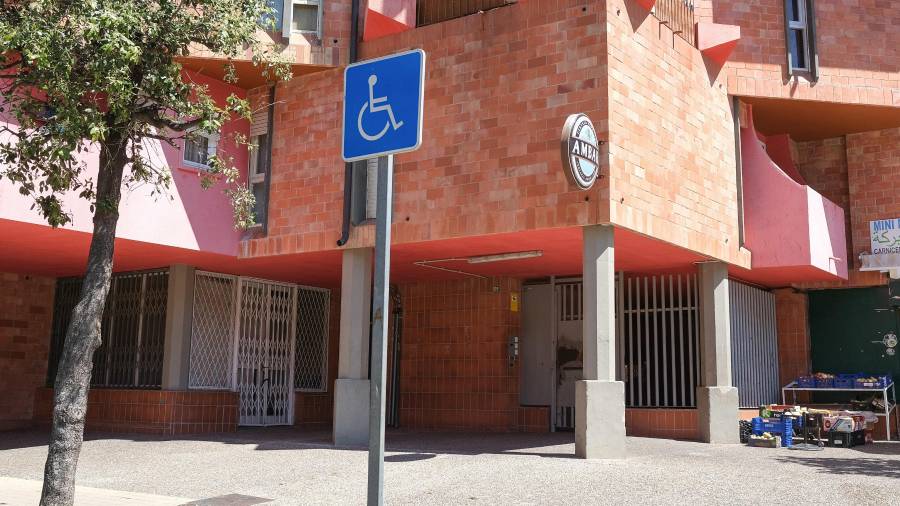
(825, 383)
(807, 381)
(764, 443)
(879, 383)
(776, 426)
(845, 380)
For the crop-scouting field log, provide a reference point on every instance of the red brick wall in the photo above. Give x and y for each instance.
(858, 45)
(671, 138)
(873, 163)
(662, 423)
(165, 412)
(498, 90)
(454, 369)
(26, 304)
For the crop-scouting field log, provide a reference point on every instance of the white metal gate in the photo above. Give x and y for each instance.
(260, 338)
(264, 354)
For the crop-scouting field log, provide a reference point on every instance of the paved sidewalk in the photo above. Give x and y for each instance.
(285, 466)
(16, 492)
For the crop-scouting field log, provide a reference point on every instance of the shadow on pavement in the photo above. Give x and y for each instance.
(856, 463)
(552, 445)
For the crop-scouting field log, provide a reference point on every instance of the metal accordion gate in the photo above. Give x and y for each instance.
(256, 337)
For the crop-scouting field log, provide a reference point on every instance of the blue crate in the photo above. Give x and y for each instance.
(845, 380)
(880, 382)
(775, 425)
(806, 381)
(825, 383)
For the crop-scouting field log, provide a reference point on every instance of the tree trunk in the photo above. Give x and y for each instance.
(73, 376)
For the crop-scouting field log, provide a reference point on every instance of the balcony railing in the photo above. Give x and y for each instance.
(678, 15)
(434, 11)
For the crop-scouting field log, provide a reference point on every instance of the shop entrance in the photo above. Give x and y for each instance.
(657, 322)
(264, 364)
(551, 348)
(263, 339)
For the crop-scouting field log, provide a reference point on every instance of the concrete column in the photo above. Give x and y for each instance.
(351, 388)
(717, 399)
(599, 398)
(179, 313)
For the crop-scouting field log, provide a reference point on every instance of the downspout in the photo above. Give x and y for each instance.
(348, 167)
(270, 129)
(396, 339)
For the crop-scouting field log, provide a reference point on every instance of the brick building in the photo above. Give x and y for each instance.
(738, 177)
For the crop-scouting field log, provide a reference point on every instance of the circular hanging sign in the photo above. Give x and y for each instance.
(580, 151)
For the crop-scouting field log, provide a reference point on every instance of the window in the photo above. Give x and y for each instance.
(800, 36)
(198, 147)
(257, 174)
(133, 331)
(302, 16)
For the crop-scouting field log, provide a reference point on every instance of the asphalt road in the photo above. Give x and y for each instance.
(287, 466)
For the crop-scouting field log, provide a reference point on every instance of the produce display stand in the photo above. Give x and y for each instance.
(889, 407)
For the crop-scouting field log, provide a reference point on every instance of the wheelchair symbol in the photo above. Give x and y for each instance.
(375, 105)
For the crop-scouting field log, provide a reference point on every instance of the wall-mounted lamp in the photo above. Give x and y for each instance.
(518, 255)
(482, 259)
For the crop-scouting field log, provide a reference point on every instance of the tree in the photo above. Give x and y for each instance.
(79, 75)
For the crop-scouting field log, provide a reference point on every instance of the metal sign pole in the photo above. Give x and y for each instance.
(379, 329)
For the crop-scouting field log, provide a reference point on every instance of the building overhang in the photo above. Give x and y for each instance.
(807, 120)
(249, 75)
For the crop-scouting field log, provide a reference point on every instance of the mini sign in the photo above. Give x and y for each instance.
(580, 151)
(885, 236)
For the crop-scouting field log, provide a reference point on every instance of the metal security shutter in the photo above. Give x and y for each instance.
(212, 331)
(754, 344)
(67, 292)
(313, 312)
(132, 334)
(263, 339)
(259, 122)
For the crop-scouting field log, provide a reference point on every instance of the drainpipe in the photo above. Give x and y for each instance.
(348, 167)
(270, 129)
(396, 338)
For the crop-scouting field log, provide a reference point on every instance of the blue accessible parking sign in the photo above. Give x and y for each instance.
(383, 101)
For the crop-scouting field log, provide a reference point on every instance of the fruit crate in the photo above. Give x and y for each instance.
(873, 382)
(774, 425)
(764, 443)
(806, 381)
(845, 380)
(824, 382)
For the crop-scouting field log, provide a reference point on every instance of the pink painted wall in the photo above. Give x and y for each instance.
(187, 216)
(787, 224)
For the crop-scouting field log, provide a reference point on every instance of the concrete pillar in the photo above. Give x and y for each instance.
(717, 399)
(599, 398)
(179, 312)
(351, 388)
